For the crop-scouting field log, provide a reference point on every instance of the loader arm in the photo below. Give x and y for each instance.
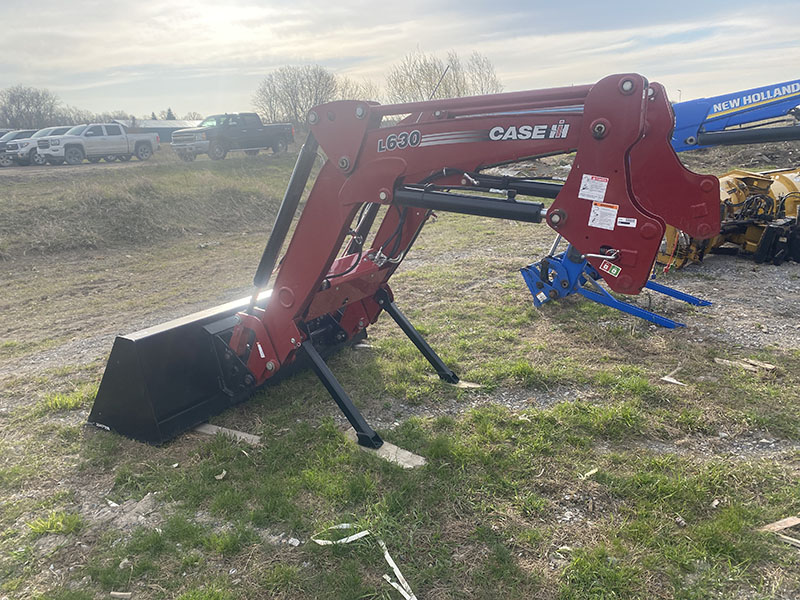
(398, 163)
(726, 119)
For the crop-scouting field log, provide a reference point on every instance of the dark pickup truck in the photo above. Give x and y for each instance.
(219, 134)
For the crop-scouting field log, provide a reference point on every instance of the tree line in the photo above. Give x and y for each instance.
(33, 108)
(288, 93)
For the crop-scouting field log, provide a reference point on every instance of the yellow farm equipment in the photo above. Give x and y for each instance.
(759, 218)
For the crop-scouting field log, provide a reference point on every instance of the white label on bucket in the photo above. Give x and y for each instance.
(593, 187)
(260, 350)
(603, 216)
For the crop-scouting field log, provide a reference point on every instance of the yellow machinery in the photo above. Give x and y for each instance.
(759, 214)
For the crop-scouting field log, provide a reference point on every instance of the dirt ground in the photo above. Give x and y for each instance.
(63, 313)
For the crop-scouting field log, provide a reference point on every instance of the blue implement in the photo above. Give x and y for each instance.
(567, 273)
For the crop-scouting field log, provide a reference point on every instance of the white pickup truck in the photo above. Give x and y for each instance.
(97, 141)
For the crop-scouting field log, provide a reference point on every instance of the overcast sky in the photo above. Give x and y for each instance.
(198, 55)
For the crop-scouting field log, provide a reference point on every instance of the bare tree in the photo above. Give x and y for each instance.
(27, 108)
(350, 89)
(421, 76)
(290, 92)
(192, 116)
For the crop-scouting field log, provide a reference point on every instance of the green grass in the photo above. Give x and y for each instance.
(78, 398)
(504, 492)
(56, 522)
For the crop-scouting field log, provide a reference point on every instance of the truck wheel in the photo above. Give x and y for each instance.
(35, 158)
(94, 159)
(110, 158)
(144, 151)
(279, 146)
(187, 156)
(217, 151)
(6, 160)
(251, 152)
(124, 157)
(73, 156)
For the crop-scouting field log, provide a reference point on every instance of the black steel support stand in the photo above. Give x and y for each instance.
(445, 373)
(366, 435)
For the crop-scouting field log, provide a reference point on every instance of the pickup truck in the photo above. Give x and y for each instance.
(97, 141)
(6, 160)
(219, 134)
(24, 150)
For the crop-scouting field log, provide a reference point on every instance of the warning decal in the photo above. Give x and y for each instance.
(593, 187)
(610, 268)
(603, 216)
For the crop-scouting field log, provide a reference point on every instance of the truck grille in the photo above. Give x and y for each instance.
(182, 138)
(43, 144)
(12, 147)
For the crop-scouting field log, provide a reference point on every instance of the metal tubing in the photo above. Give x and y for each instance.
(444, 372)
(366, 435)
(526, 187)
(297, 183)
(748, 136)
(363, 228)
(529, 212)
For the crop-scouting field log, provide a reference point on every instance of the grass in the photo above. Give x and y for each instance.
(600, 485)
(56, 522)
(81, 397)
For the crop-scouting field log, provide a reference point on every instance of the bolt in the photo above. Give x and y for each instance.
(626, 86)
(248, 380)
(555, 218)
(294, 341)
(237, 319)
(565, 284)
(344, 163)
(313, 117)
(361, 112)
(691, 140)
(383, 195)
(270, 366)
(650, 92)
(553, 294)
(539, 285)
(599, 130)
(361, 322)
(437, 114)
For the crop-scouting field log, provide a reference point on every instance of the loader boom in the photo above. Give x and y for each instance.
(388, 167)
(719, 120)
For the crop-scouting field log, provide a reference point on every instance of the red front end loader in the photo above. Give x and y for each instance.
(625, 185)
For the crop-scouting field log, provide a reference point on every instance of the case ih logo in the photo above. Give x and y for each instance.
(530, 132)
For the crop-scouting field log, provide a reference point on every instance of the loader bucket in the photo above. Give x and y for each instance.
(165, 379)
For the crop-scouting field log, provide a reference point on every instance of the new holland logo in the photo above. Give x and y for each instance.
(530, 132)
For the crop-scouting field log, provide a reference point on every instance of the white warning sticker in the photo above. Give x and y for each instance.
(593, 187)
(626, 221)
(603, 215)
(541, 297)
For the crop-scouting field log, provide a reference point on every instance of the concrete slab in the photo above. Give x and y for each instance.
(392, 453)
(209, 429)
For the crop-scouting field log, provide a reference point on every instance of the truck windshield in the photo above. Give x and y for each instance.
(216, 120)
(77, 130)
(43, 132)
(7, 137)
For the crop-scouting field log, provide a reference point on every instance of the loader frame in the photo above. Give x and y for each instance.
(387, 168)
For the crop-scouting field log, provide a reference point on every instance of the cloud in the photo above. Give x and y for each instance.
(206, 56)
